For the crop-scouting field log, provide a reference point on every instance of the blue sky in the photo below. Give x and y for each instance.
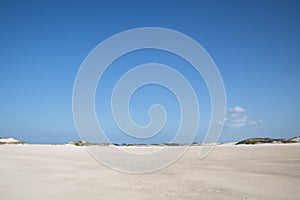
(255, 45)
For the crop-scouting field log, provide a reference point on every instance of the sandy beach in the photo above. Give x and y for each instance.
(229, 172)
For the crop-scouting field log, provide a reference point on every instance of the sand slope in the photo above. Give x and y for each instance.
(229, 172)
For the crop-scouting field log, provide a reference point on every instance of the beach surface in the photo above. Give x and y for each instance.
(63, 172)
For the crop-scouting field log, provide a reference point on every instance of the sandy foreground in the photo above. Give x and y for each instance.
(229, 172)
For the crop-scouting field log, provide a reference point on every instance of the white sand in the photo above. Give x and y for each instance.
(229, 172)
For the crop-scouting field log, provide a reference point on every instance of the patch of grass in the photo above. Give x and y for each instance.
(262, 141)
(78, 143)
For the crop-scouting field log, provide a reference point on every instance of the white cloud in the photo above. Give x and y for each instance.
(237, 109)
(236, 117)
(251, 122)
(260, 121)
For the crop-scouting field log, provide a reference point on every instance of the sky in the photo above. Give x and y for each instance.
(255, 45)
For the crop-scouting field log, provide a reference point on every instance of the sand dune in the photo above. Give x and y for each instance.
(11, 141)
(229, 172)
